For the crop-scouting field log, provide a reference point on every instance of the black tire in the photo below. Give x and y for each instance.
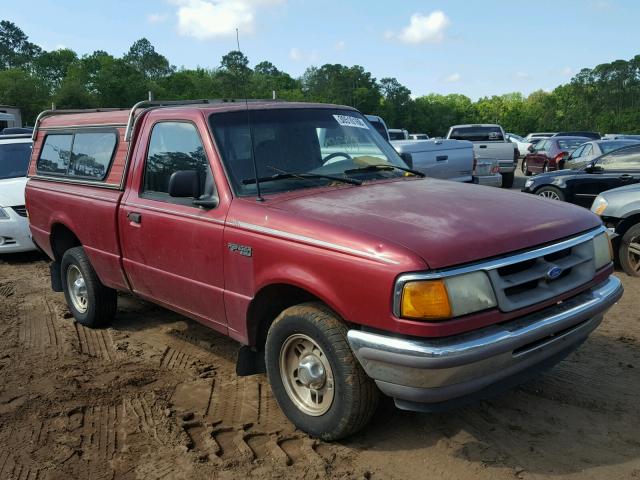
(525, 168)
(355, 396)
(549, 192)
(629, 263)
(507, 179)
(545, 168)
(101, 301)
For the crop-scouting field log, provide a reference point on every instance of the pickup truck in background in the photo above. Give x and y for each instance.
(398, 134)
(490, 142)
(440, 158)
(298, 231)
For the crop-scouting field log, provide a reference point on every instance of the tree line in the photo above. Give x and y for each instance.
(604, 98)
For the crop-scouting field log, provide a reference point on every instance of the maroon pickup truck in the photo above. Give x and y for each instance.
(298, 231)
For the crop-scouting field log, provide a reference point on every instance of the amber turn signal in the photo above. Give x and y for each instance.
(426, 300)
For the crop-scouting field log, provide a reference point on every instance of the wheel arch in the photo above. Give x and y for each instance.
(61, 239)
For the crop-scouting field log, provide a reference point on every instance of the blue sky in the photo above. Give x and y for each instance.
(475, 47)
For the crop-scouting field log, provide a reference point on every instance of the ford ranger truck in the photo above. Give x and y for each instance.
(342, 274)
(490, 143)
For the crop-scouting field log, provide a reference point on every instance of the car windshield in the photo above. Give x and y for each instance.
(607, 147)
(515, 137)
(314, 143)
(571, 143)
(477, 133)
(14, 159)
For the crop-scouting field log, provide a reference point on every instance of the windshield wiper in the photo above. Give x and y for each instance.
(384, 166)
(304, 176)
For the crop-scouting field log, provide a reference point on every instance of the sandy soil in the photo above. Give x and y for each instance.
(155, 396)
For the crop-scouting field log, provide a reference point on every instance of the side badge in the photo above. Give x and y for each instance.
(241, 249)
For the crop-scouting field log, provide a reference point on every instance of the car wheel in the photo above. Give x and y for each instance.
(545, 168)
(551, 192)
(90, 302)
(629, 251)
(525, 168)
(315, 377)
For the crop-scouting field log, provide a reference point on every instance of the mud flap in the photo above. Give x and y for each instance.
(56, 277)
(250, 361)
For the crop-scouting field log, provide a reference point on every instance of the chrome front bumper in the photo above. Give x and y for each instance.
(428, 374)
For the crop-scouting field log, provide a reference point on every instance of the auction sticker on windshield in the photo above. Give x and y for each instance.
(349, 121)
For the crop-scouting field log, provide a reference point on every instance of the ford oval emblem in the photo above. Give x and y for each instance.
(554, 273)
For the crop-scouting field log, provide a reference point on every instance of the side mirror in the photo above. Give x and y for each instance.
(184, 184)
(593, 168)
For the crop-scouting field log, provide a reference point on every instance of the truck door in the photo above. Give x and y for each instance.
(171, 248)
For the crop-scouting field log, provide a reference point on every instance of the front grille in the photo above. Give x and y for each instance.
(525, 283)
(20, 210)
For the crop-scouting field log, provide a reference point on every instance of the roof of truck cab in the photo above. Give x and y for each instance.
(121, 117)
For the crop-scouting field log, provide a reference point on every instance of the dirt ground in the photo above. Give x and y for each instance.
(155, 396)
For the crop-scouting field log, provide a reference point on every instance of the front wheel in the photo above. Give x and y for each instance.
(91, 303)
(507, 180)
(525, 168)
(551, 192)
(629, 251)
(314, 376)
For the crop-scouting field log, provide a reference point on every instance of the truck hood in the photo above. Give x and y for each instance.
(12, 191)
(445, 223)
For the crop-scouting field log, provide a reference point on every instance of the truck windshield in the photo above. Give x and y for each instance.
(477, 133)
(14, 159)
(306, 142)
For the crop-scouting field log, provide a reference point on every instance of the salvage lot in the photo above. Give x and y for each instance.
(155, 396)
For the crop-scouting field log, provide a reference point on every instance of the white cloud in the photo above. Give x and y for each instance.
(422, 28)
(567, 71)
(453, 78)
(157, 17)
(340, 45)
(298, 55)
(207, 19)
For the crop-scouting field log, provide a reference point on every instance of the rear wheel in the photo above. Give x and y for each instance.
(91, 303)
(629, 251)
(507, 180)
(316, 379)
(550, 192)
(525, 168)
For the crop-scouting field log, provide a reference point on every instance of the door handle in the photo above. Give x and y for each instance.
(442, 158)
(483, 146)
(134, 217)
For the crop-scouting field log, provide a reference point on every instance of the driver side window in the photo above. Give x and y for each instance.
(624, 159)
(174, 146)
(577, 153)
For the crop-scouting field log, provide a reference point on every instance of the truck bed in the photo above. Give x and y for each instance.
(444, 159)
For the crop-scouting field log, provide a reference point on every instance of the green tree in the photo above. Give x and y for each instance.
(16, 51)
(143, 56)
(20, 88)
(52, 67)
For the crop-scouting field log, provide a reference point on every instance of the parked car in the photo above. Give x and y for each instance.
(437, 158)
(591, 135)
(444, 159)
(418, 136)
(16, 130)
(581, 185)
(534, 135)
(380, 126)
(489, 142)
(398, 134)
(522, 144)
(586, 152)
(550, 154)
(341, 279)
(15, 151)
(620, 212)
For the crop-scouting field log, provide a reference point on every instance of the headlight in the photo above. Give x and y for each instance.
(446, 298)
(528, 183)
(602, 250)
(3, 214)
(599, 205)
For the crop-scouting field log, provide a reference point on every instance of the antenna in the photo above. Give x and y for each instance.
(246, 105)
